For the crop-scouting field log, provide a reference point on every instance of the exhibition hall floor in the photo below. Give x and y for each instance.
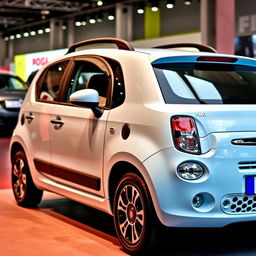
(57, 227)
(49, 230)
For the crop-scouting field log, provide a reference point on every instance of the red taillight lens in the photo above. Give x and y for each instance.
(185, 134)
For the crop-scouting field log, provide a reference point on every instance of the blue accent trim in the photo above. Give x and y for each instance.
(250, 185)
(243, 61)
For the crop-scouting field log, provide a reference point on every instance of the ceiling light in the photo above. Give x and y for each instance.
(78, 23)
(40, 31)
(170, 4)
(99, 3)
(64, 27)
(18, 35)
(47, 30)
(188, 2)
(83, 23)
(26, 34)
(32, 33)
(6, 38)
(140, 11)
(111, 17)
(154, 6)
(12, 37)
(92, 21)
(45, 12)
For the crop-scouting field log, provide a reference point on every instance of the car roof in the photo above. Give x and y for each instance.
(125, 51)
(151, 54)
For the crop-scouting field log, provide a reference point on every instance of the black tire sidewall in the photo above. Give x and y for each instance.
(144, 242)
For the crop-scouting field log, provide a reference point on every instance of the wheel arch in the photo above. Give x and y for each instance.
(118, 170)
(15, 147)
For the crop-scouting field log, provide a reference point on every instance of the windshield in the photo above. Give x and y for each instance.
(207, 83)
(8, 82)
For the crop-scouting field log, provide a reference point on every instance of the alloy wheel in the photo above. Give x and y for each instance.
(131, 214)
(19, 178)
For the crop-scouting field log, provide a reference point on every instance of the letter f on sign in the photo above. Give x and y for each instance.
(243, 23)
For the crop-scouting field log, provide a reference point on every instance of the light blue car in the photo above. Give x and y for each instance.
(151, 136)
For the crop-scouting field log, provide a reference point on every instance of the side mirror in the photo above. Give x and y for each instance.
(87, 98)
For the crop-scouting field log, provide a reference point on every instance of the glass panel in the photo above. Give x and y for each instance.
(199, 84)
(52, 82)
(88, 76)
(17, 84)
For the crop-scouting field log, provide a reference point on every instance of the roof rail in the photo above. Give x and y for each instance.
(200, 47)
(121, 44)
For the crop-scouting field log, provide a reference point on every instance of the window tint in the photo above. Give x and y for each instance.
(207, 85)
(52, 82)
(8, 82)
(89, 76)
(118, 96)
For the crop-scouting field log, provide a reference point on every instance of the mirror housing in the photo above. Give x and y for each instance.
(87, 98)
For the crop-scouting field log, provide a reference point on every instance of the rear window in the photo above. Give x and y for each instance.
(207, 83)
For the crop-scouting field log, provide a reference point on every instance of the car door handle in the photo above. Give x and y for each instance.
(56, 121)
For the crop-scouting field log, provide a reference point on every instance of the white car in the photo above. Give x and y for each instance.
(150, 136)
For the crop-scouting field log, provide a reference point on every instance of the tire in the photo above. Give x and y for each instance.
(134, 216)
(25, 192)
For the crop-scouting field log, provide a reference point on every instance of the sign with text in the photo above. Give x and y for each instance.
(24, 64)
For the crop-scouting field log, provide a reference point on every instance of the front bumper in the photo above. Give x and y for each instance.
(223, 180)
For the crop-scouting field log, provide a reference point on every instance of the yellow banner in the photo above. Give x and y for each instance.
(20, 66)
(152, 23)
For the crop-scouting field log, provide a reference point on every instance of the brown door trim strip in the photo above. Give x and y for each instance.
(68, 174)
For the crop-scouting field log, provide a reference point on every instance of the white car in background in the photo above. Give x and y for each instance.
(150, 136)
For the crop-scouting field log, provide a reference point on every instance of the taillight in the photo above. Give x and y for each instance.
(217, 59)
(185, 134)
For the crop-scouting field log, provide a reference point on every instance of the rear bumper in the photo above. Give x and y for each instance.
(223, 178)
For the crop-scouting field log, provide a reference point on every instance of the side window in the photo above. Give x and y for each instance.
(86, 75)
(118, 96)
(52, 81)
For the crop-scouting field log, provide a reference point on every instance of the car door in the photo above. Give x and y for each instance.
(77, 135)
(37, 114)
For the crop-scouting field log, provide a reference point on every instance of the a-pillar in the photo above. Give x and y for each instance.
(124, 21)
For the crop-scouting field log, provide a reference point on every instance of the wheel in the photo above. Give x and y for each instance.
(25, 192)
(134, 215)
